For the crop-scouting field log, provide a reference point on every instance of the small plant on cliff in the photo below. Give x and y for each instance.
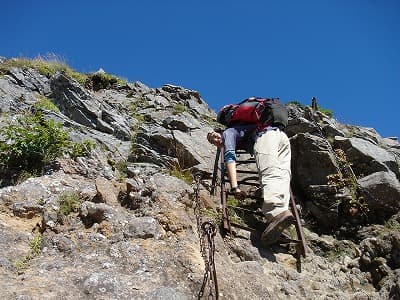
(135, 105)
(69, 202)
(356, 204)
(234, 215)
(327, 112)
(214, 216)
(45, 103)
(341, 249)
(178, 109)
(122, 167)
(35, 248)
(102, 80)
(393, 224)
(76, 149)
(36, 245)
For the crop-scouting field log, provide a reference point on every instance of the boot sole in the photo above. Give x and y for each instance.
(273, 236)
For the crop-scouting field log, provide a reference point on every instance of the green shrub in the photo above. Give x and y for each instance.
(393, 224)
(45, 103)
(327, 112)
(31, 144)
(69, 202)
(178, 109)
(81, 149)
(35, 246)
(98, 81)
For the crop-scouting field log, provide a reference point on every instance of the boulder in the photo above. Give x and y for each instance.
(367, 157)
(312, 160)
(382, 194)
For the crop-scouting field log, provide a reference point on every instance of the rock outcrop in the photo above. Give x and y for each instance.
(123, 221)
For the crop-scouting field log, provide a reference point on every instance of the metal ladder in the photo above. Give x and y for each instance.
(251, 178)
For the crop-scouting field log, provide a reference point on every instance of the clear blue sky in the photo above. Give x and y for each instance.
(346, 53)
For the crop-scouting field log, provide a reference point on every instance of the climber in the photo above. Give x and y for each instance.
(233, 138)
(273, 157)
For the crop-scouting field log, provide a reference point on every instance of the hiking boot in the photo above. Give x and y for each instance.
(274, 229)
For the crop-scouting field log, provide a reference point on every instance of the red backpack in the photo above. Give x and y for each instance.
(260, 111)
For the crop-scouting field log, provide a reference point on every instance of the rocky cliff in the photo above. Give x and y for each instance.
(117, 213)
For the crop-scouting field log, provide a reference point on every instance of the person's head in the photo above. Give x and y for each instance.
(215, 138)
(354, 210)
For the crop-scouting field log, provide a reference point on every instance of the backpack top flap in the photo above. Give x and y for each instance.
(261, 111)
(248, 111)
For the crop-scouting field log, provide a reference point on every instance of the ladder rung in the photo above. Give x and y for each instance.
(246, 172)
(249, 161)
(248, 183)
(250, 177)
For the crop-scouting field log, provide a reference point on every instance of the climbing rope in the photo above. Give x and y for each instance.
(207, 231)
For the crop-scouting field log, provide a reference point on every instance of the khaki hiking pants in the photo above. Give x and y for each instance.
(272, 154)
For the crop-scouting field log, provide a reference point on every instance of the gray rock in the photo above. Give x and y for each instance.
(143, 228)
(139, 87)
(312, 160)
(100, 284)
(63, 244)
(96, 212)
(74, 101)
(365, 133)
(104, 127)
(382, 193)
(14, 98)
(157, 101)
(30, 79)
(300, 125)
(167, 293)
(26, 209)
(366, 157)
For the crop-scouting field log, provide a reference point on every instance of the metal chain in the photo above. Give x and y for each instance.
(209, 231)
(206, 231)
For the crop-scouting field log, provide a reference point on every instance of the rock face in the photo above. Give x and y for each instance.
(123, 222)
